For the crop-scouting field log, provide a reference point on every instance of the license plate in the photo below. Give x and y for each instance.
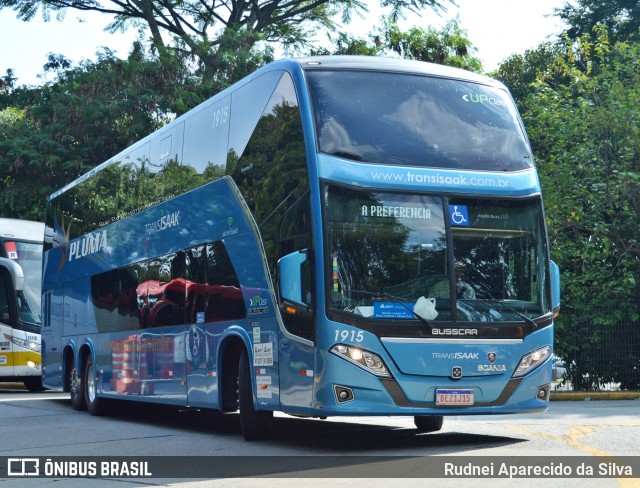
(454, 397)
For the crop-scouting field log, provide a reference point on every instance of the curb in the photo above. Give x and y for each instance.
(595, 395)
(558, 396)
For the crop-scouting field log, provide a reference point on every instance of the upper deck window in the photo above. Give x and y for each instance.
(394, 118)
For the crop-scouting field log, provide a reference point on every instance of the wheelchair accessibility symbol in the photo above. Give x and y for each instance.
(459, 215)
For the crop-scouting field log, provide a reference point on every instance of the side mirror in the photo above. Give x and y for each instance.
(15, 271)
(291, 281)
(49, 234)
(555, 288)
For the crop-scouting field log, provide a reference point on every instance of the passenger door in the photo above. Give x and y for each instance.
(297, 348)
(6, 325)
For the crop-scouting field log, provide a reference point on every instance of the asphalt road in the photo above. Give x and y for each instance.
(339, 451)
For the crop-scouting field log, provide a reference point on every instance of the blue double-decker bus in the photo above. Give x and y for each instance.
(329, 236)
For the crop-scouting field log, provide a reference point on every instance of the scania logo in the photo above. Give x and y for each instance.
(456, 372)
(492, 368)
(455, 332)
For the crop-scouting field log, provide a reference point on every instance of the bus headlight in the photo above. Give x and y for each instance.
(366, 360)
(532, 360)
(32, 346)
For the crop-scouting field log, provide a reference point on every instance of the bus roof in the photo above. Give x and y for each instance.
(396, 65)
(365, 63)
(21, 230)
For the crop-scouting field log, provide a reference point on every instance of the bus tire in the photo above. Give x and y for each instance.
(34, 384)
(254, 424)
(428, 423)
(76, 388)
(95, 404)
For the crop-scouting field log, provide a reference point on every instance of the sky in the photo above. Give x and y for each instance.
(497, 28)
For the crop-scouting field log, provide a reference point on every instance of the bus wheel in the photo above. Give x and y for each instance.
(95, 404)
(34, 384)
(76, 389)
(428, 423)
(254, 424)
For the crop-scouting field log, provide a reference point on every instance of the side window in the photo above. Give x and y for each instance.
(68, 225)
(128, 314)
(271, 169)
(224, 295)
(294, 234)
(206, 136)
(104, 291)
(247, 106)
(167, 290)
(99, 195)
(196, 274)
(133, 170)
(191, 286)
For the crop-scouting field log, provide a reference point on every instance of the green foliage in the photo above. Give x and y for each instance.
(346, 44)
(51, 134)
(202, 29)
(620, 17)
(448, 46)
(583, 123)
(519, 72)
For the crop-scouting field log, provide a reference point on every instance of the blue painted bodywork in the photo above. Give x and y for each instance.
(182, 364)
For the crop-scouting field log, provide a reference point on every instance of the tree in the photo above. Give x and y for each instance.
(206, 31)
(519, 72)
(620, 17)
(586, 137)
(52, 134)
(448, 46)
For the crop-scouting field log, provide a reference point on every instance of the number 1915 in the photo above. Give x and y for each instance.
(349, 335)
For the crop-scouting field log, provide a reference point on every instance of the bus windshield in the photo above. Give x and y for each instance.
(403, 119)
(479, 260)
(29, 257)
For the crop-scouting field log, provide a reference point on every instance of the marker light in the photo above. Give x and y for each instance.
(532, 360)
(366, 360)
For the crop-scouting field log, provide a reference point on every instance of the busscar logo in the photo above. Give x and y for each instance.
(455, 332)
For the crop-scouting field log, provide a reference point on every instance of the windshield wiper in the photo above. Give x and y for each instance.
(511, 309)
(347, 155)
(392, 297)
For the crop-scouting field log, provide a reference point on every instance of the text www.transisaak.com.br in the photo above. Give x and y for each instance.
(438, 179)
